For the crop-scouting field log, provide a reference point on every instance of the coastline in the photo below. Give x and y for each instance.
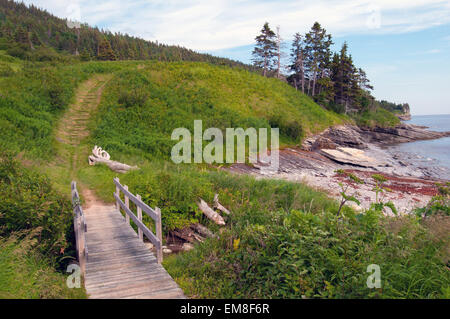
(362, 152)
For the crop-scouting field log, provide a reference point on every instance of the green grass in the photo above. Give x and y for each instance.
(141, 108)
(34, 97)
(26, 274)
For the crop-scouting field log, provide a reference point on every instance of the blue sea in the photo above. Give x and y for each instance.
(430, 153)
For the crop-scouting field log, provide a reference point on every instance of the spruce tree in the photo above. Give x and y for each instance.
(105, 52)
(317, 53)
(21, 36)
(265, 49)
(343, 77)
(298, 60)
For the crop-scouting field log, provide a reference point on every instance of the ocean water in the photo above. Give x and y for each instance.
(430, 153)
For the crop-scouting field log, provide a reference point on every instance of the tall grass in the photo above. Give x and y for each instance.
(26, 274)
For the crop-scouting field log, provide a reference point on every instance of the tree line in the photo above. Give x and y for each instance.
(27, 29)
(331, 79)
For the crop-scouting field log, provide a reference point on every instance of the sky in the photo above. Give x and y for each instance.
(404, 45)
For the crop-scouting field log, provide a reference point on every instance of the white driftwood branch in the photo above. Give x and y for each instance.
(101, 156)
(210, 213)
(219, 206)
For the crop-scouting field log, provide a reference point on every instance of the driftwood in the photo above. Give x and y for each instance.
(183, 235)
(202, 230)
(101, 156)
(210, 213)
(219, 206)
(187, 234)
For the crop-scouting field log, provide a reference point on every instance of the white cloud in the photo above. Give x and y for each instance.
(218, 24)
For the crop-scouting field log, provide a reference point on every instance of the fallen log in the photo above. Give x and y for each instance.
(101, 156)
(210, 213)
(202, 230)
(219, 206)
(186, 237)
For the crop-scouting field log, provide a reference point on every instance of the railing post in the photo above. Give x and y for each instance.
(158, 226)
(118, 194)
(139, 215)
(127, 204)
(82, 253)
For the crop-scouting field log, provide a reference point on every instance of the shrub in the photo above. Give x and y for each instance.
(295, 254)
(29, 203)
(18, 51)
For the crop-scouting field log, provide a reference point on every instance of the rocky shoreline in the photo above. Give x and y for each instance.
(362, 152)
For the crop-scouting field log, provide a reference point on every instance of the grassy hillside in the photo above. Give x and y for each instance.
(142, 106)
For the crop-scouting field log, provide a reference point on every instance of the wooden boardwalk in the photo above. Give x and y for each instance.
(118, 263)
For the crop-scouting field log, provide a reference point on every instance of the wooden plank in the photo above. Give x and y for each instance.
(155, 241)
(120, 258)
(127, 204)
(136, 288)
(158, 226)
(137, 279)
(121, 273)
(139, 215)
(172, 293)
(154, 294)
(117, 264)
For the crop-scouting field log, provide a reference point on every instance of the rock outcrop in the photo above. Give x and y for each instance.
(359, 138)
(352, 156)
(402, 133)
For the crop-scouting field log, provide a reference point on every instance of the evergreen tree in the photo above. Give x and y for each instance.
(105, 52)
(85, 55)
(343, 75)
(317, 53)
(21, 36)
(265, 49)
(298, 61)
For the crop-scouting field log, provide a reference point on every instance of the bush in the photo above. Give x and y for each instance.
(29, 203)
(378, 117)
(18, 51)
(43, 54)
(295, 254)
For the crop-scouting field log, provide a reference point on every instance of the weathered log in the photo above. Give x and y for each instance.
(101, 156)
(210, 213)
(186, 237)
(219, 206)
(202, 230)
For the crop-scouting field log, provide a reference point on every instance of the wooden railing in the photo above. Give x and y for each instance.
(80, 228)
(155, 214)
